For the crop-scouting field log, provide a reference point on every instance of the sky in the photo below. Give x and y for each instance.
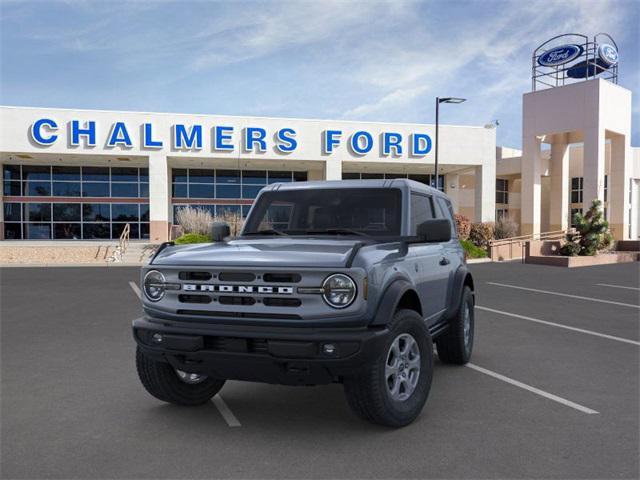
(344, 60)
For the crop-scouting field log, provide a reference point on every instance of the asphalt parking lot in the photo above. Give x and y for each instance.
(552, 391)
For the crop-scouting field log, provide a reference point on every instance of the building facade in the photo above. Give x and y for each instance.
(85, 174)
(577, 148)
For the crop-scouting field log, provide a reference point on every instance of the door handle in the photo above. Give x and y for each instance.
(444, 261)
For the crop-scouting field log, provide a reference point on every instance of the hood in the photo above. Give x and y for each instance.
(276, 252)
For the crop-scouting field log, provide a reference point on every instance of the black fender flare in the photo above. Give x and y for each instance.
(389, 302)
(460, 279)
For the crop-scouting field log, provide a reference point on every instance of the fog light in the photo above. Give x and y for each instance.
(157, 338)
(329, 348)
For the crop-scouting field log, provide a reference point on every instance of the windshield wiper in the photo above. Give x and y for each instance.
(267, 231)
(337, 231)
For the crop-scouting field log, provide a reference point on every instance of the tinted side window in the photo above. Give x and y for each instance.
(421, 210)
(446, 211)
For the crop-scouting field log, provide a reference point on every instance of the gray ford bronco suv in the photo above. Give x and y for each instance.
(345, 281)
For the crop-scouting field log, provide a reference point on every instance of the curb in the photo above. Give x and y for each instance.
(478, 260)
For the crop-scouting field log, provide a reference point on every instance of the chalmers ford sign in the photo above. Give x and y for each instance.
(45, 132)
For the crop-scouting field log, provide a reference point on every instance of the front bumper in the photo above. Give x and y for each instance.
(283, 355)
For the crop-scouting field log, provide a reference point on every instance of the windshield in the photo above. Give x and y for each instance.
(338, 211)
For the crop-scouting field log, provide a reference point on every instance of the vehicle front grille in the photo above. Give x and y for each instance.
(236, 277)
(195, 276)
(229, 300)
(194, 298)
(262, 290)
(282, 277)
(282, 302)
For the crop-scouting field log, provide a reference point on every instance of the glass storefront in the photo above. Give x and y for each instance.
(426, 179)
(209, 188)
(114, 197)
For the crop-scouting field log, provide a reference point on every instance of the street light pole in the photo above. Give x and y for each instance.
(437, 142)
(438, 102)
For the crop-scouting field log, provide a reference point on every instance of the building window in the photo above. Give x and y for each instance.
(426, 179)
(502, 190)
(74, 221)
(202, 185)
(63, 181)
(502, 213)
(65, 214)
(606, 187)
(576, 190)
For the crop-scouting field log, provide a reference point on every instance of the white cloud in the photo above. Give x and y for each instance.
(283, 26)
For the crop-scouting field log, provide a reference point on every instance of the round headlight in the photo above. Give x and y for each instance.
(154, 285)
(339, 291)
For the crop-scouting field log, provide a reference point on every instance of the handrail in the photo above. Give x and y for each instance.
(123, 244)
(534, 236)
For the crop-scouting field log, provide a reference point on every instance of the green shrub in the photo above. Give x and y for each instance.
(472, 250)
(591, 235)
(192, 238)
(482, 233)
(571, 248)
(463, 226)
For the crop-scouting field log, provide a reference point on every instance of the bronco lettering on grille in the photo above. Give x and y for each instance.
(261, 289)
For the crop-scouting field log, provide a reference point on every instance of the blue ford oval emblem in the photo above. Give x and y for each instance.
(608, 54)
(560, 55)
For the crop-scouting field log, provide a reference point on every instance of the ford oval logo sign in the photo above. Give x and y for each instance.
(560, 55)
(608, 54)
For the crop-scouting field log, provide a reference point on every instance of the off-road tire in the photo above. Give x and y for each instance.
(367, 392)
(451, 345)
(161, 380)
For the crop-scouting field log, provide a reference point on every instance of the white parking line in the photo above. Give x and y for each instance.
(566, 327)
(136, 289)
(617, 286)
(535, 390)
(225, 411)
(591, 299)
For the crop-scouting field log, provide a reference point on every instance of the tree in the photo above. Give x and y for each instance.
(591, 235)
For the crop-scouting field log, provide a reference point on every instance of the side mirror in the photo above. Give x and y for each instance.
(220, 231)
(435, 231)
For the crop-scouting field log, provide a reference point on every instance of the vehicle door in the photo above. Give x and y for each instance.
(452, 254)
(431, 277)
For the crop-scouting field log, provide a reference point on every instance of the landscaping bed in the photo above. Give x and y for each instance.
(584, 261)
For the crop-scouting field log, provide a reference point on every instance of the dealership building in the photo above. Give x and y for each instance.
(85, 174)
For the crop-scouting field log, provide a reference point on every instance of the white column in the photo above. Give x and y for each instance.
(159, 197)
(618, 188)
(559, 205)
(593, 167)
(531, 186)
(485, 192)
(333, 169)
